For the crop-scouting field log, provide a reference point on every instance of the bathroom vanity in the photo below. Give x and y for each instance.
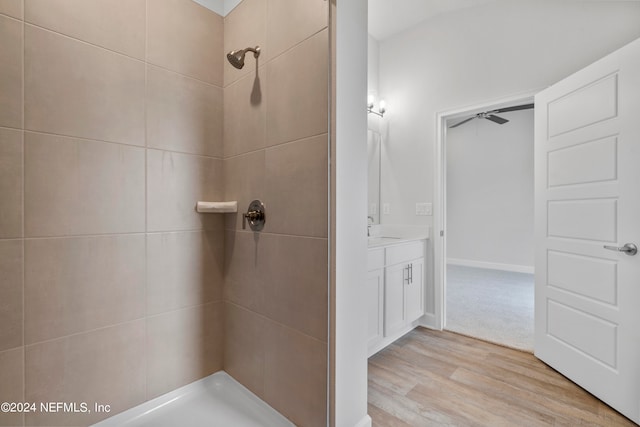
(395, 288)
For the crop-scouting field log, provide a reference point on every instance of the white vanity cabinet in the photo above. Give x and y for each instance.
(375, 297)
(395, 293)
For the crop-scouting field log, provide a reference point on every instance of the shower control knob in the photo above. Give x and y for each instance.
(255, 216)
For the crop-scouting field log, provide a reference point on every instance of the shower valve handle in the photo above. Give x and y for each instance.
(255, 216)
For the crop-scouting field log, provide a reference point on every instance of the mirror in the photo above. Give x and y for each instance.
(373, 157)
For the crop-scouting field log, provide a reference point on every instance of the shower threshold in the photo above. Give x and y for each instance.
(215, 401)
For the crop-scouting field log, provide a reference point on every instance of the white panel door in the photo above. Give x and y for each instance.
(587, 297)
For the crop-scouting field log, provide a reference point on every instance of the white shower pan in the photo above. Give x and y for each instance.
(215, 401)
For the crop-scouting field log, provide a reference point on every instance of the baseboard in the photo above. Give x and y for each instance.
(491, 265)
(365, 422)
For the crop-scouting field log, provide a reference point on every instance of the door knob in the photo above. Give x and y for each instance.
(629, 248)
(255, 216)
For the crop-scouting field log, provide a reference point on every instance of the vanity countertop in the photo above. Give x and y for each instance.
(392, 237)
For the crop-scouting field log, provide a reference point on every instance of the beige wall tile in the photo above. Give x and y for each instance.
(11, 148)
(245, 26)
(184, 269)
(289, 22)
(10, 72)
(244, 347)
(175, 183)
(78, 284)
(295, 383)
(185, 37)
(75, 186)
(102, 92)
(11, 383)
(244, 259)
(11, 291)
(183, 114)
(245, 114)
(114, 24)
(298, 91)
(296, 282)
(296, 188)
(244, 181)
(183, 346)
(105, 366)
(12, 8)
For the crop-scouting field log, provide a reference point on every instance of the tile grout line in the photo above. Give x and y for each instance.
(146, 198)
(24, 264)
(143, 61)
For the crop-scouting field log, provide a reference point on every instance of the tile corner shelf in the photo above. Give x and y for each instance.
(217, 207)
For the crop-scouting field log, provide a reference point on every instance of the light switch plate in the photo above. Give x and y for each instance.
(386, 209)
(424, 209)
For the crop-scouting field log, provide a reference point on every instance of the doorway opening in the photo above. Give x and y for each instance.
(484, 262)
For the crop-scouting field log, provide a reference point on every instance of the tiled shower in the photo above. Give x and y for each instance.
(116, 116)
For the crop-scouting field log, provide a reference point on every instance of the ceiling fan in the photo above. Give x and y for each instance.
(491, 115)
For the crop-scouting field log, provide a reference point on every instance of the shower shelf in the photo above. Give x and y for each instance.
(217, 207)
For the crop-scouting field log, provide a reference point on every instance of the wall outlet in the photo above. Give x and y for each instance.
(386, 210)
(424, 209)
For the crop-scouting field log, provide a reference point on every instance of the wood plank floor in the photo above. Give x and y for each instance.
(439, 378)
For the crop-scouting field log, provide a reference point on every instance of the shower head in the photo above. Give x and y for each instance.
(236, 57)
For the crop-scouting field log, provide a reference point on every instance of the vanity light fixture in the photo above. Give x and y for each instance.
(382, 106)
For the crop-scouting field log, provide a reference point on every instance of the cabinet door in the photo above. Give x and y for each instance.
(414, 291)
(394, 283)
(375, 306)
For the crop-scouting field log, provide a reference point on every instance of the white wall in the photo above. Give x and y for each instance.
(475, 55)
(490, 191)
(350, 213)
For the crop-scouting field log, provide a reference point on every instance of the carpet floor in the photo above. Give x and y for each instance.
(492, 305)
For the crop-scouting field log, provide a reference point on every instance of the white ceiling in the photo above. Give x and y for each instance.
(390, 17)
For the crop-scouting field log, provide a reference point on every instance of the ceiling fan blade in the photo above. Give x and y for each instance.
(496, 119)
(462, 122)
(514, 108)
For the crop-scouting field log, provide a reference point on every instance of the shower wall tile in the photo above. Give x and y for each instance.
(244, 264)
(75, 285)
(295, 283)
(245, 26)
(183, 114)
(105, 366)
(11, 292)
(12, 8)
(297, 91)
(11, 188)
(76, 89)
(244, 181)
(244, 347)
(183, 346)
(75, 186)
(11, 75)
(175, 182)
(289, 22)
(114, 24)
(184, 269)
(187, 38)
(245, 114)
(296, 382)
(11, 383)
(297, 187)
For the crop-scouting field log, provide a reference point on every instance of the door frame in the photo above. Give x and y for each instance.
(440, 211)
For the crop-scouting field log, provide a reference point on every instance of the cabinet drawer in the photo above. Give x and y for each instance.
(406, 252)
(375, 259)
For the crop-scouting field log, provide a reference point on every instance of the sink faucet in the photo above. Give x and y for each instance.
(369, 224)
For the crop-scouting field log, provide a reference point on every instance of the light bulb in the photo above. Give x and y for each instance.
(370, 101)
(383, 106)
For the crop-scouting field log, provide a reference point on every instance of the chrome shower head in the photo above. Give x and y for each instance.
(236, 57)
